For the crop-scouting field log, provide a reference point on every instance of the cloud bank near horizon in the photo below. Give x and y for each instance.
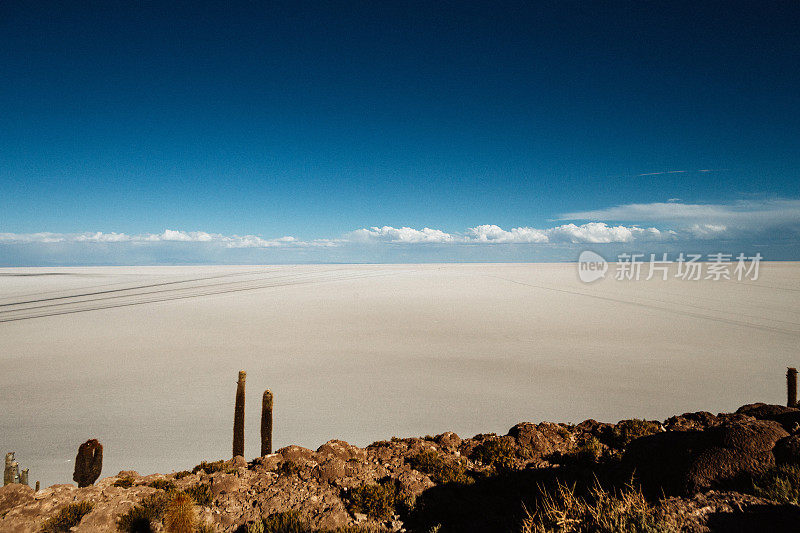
(590, 233)
(654, 226)
(740, 218)
(167, 236)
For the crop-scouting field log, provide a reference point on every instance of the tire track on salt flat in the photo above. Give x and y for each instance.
(789, 332)
(197, 295)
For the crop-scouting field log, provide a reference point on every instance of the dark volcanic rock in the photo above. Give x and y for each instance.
(600, 430)
(688, 421)
(788, 417)
(729, 511)
(787, 450)
(765, 411)
(684, 462)
(755, 436)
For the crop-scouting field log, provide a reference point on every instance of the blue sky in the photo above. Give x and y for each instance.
(150, 132)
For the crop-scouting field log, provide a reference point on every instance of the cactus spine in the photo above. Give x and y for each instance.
(266, 423)
(238, 416)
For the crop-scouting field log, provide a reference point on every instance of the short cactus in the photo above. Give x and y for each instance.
(11, 473)
(88, 463)
(180, 515)
(8, 473)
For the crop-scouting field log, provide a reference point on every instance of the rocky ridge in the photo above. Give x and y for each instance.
(702, 462)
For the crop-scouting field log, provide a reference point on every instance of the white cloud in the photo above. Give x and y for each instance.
(707, 231)
(777, 218)
(741, 213)
(494, 234)
(593, 232)
(227, 241)
(599, 232)
(403, 235)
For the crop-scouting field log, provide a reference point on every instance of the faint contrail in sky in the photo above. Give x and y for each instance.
(680, 171)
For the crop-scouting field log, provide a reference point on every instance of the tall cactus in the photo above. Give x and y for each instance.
(238, 416)
(23, 476)
(266, 423)
(791, 387)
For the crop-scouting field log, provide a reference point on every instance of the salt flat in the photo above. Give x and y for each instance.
(145, 358)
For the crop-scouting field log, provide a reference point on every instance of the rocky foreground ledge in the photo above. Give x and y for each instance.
(693, 472)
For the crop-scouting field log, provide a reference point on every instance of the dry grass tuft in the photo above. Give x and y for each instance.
(67, 518)
(562, 511)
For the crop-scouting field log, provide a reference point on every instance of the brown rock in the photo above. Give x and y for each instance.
(536, 441)
(330, 470)
(224, 484)
(295, 453)
(688, 421)
(238, 462)
(269, 462)
(448, 440)
(684, 462)
(13, 495)
(339, 449)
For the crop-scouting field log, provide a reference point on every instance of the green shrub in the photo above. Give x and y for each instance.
(141, 517)
(495, 452)
(588, 451)
(780, 483)
(125, 482)
(376, 501)
(68, 517)
(286, 522)
(289, 468)
(182, 474)
(200, 493)
(628, 430)
(210, 468)
(162, 484)
(561, 511)
(358, 528)
(563, 432)
(440, 471)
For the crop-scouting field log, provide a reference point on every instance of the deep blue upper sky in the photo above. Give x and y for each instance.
(317, 119)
